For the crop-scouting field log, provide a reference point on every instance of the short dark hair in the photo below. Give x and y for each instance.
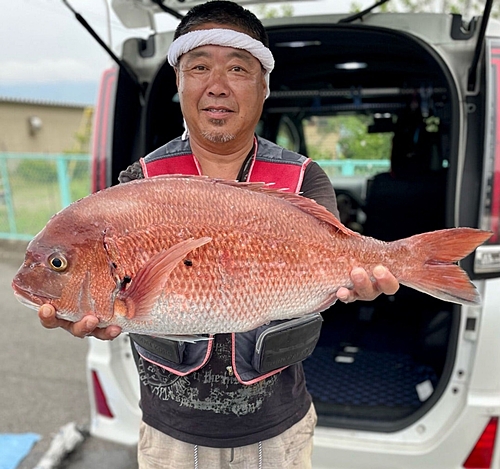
(223, 12)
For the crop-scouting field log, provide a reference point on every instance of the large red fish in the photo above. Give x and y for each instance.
(192, 255)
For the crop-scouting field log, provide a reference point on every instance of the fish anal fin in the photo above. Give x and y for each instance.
(149, 282)
(329, 301)
(191, 338)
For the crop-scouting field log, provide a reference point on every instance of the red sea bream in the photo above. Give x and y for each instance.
(193, 255)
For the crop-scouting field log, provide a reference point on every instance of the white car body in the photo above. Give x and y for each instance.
(460, 414)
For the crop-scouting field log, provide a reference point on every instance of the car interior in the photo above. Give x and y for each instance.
(378, 365)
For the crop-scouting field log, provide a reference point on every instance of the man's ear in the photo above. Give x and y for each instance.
(264, 83)
(176, 70)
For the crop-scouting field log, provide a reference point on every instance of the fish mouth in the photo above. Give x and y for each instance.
(31, 299)
(36, 302)
(27, 301)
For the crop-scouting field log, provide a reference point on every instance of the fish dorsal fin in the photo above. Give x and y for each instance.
(303, 203)
(310, 207)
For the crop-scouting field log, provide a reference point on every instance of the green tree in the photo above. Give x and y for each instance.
(346, 137)
(356, 143)
(267, 11)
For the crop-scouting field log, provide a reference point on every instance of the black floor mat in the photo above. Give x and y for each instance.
(367, 378)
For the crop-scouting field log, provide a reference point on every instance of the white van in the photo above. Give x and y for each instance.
(406, 381)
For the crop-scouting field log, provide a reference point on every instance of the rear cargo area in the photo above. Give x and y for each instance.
(379, 365)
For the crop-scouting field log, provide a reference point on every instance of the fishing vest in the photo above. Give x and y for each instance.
(267, 350)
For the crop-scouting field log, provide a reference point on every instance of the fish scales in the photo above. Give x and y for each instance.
(193, 255)
(239, 266)
(232, 249)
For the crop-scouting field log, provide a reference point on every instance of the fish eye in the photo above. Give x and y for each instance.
(58, 262)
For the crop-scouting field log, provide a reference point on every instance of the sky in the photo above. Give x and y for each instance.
(47, 55)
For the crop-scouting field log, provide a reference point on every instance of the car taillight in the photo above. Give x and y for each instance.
(487, 258)
(482, 453)
(100, 400)
(103, 116)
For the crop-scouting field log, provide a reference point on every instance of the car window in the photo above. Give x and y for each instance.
(344, 145)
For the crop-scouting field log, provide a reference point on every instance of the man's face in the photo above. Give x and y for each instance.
(221, 91)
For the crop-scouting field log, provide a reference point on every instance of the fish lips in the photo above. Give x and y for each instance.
(32, 302)
(29, 296)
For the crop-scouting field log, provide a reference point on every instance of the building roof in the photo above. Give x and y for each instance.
(41, 102)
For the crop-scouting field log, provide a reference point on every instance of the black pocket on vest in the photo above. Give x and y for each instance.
(286, 343)
(170, 350)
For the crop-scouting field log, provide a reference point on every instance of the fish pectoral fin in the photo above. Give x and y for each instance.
(148, 284)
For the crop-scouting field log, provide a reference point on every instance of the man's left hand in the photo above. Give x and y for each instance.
(367, 289)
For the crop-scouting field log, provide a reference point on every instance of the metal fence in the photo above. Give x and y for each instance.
(34, 186)
(350, 168)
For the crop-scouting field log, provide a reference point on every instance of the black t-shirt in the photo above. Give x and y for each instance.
(209, 407)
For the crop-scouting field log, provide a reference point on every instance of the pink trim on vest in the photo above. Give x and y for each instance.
(144, 167)
(235, 368)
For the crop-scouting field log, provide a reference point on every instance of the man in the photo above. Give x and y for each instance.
(203, 404)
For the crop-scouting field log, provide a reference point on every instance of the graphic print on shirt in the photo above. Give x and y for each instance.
(211, 388)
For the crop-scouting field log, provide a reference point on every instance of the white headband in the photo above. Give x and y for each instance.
(222, 37)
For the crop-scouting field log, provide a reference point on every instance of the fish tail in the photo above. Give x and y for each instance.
(436, 272)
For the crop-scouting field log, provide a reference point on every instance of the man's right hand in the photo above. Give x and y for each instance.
(83, 328)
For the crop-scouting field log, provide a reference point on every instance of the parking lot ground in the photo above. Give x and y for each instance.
(43, 381)
(92, 453)
(99, 454)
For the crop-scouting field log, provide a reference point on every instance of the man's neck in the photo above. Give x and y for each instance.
(222, 160)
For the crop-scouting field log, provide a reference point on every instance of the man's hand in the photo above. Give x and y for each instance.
(366, 289)
(83, 328)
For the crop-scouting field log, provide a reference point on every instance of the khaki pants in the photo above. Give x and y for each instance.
(291, 449)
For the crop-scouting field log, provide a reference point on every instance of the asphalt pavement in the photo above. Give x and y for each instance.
(43, 384)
